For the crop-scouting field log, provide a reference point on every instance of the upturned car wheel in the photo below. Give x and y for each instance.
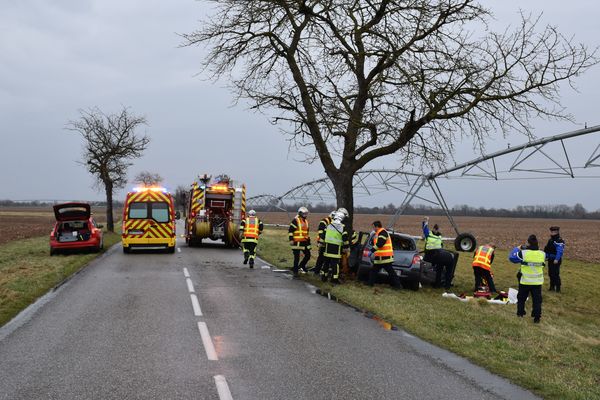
(465, 242)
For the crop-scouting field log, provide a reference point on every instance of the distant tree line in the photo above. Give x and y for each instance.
(537, 211)
(50, 203)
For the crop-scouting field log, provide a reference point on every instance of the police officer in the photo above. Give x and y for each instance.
(531, 276)
(443, 260)
(382, 254)
(554, 251)
(335, 239)
(300, 240)
(250, 228)
(323, 224)
(482, 267)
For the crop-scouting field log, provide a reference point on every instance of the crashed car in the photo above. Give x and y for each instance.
(408, 263)
(75, 228)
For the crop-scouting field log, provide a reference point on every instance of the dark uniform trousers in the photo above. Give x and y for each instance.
(331, 267)
(300, 264)
(249, 250)
(375, 268)
(554, 273)
(320, 260)
(536, 296)
(483, 274)
(444, 263)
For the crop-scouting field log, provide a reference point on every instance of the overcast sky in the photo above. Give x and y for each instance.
(60, 56)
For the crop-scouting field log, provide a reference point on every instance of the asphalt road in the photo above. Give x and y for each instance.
(129, 327)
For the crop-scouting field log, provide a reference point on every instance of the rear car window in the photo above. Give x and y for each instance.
(138, 210)
(160, 212)
(401, 243)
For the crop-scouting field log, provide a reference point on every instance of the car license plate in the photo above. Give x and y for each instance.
(136, 232)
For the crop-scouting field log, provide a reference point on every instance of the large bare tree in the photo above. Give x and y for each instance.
(354, 80)
(147, 178)
(110, 142)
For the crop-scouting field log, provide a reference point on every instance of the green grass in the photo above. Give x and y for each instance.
(27, 271)
(557, 359)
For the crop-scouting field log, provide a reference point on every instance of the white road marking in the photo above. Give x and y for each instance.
(179, 249)
(223, 388)
(196, 305)
(186, 273)
(207, 341)
(265, 267)
(190, 285)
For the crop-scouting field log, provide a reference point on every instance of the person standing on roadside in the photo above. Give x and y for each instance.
(250, 228)
(300, 240)
(531, 276)
(323, 224)
(335, 240)
(554, 251)
(382, 255)
(482, 267)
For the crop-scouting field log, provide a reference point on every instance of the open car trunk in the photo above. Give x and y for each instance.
(73, 231)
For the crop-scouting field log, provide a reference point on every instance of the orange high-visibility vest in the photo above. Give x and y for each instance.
(483, 257)
(386, 250)
(251, 228)
(301, 232)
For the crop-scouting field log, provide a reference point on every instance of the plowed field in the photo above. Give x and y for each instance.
(581, 236)
(22, 223)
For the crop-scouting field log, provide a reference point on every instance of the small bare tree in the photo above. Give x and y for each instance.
(148, 178)
(355, 80)
(110, 142)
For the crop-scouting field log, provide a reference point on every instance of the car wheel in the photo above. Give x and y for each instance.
(126, 250)
(52, 251)
(363, 273)
(171, 249)
(412, 285)
(465, 242)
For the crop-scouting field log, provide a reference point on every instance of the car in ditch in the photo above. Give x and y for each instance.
(408, 263)
(75, 229)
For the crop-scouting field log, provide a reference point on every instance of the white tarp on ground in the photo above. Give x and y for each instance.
(512, 297)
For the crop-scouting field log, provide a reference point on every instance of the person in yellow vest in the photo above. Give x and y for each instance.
(443, 260)
(323, 224)
(300, 240)
(335, 240)
(531, 276)
(482, 267)
(382, 256)
(250, 228)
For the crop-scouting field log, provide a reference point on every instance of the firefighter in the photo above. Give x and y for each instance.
(353, 235)
(300, 240)
(443, 260)
(382, 256)
(554, 251)
(482, 267)
(323, 224)
(250, 228)
(531, 276)
(335, 239)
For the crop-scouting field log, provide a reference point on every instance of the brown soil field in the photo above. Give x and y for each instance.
(581, 236)
(22, 223)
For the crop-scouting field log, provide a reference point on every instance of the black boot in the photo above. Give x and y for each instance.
(557, 289)
(252, 263)
(551, 289)
(245, 259)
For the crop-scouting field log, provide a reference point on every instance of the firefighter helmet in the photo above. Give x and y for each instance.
(303, 211)
(344, 212)
(338, 216)
(332, 214)
(251, 213)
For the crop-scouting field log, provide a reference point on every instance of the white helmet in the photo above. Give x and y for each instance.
(338, 216)
(344, 212)
(303, 211)
(251, 213)
(332, 214)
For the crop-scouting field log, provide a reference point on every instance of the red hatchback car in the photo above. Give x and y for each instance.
(75, 229)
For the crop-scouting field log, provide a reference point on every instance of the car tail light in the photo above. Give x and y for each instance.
(366, 253)
(417, 259)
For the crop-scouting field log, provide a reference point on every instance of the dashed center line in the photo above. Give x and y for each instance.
(186, 273)
(190, 285)
(223, 388)
(196, 305)
(207, 341)
(179, 249)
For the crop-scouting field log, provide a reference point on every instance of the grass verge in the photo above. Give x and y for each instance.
(27, 271)
(557, 359)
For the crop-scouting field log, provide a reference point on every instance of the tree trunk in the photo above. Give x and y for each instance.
(110, 225)
(342, 182)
